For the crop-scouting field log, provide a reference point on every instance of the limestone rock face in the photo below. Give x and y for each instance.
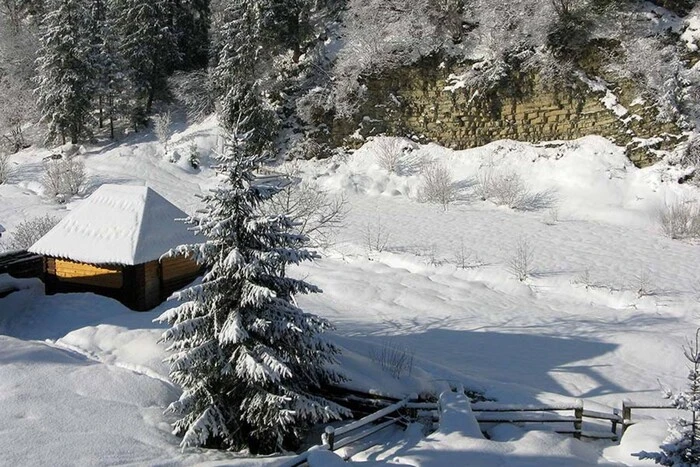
(413, 101)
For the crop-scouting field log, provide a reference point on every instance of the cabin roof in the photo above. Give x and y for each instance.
(118, 224)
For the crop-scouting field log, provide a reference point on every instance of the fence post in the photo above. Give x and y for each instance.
(614, 422)
(328, 437)
(578, 414)
(626, 417)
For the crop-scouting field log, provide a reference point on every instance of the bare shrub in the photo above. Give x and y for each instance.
(680, 219)
(73, 176)
(28, 232)
(162, 126)
(643, 284)
(376, 236)
(584, 279)
(552, 216)
(64, 177)
(511, 190)
(389, 152)
(520, 264)
(437, 186)
(316, 213)
(395, 155)
(5, 168)
(466, 258)
(394, 359)
(52, 178)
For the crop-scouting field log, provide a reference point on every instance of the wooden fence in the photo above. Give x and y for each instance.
(336, 438)
(21, 264)
(568, 418)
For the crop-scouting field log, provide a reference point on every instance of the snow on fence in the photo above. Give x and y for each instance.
(627, 407)
(486, 413)
(334, 438)
(559, 415)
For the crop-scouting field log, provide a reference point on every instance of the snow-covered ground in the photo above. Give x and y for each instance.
(82, 379)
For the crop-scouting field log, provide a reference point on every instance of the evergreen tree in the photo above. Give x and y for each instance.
(249, 361)
(239, 44)
(65, 69)
(682, 448)
(286, 23)
(111, 83)
(192, 22)
(148, 43)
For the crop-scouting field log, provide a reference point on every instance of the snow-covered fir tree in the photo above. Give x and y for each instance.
(239, 45)
(65, 69)
(192, 23)
(682, 447)
(250, 362)
(286, 24)
(148, 42)
(111, 82)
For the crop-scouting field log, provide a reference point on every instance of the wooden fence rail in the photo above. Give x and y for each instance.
(487, 413)
(627, 407)
(333, 438)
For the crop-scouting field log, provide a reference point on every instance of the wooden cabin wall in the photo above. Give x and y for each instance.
(63, 276)
(140, 287)
(110, 277)
(178, 272)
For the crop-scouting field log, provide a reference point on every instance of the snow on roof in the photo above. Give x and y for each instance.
(117, 224)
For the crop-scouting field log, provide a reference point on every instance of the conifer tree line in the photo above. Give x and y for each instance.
(99, 62)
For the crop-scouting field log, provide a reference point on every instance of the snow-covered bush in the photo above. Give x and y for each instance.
(5, 168)
(389, 154)
(520, 264)
(162, 126)
(395, 155)
(437, 185)
(680, 219)
(682, 447)
(691, 154)
(306, 149)
(63, 177)
(193, 158)
(73, 176)
(376, 236)
(313, 106)
(30, 231)
(52, 178)
(509, 189)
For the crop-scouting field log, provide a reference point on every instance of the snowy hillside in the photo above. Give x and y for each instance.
(606, 305)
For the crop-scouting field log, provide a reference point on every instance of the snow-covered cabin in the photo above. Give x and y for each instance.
(112, 245)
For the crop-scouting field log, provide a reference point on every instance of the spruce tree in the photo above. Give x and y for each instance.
(286, 23)
(148, 43)
(239, 44)
(250, 362)
(682, 447)
(192, 23)
(111, 82)
(65, 69)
